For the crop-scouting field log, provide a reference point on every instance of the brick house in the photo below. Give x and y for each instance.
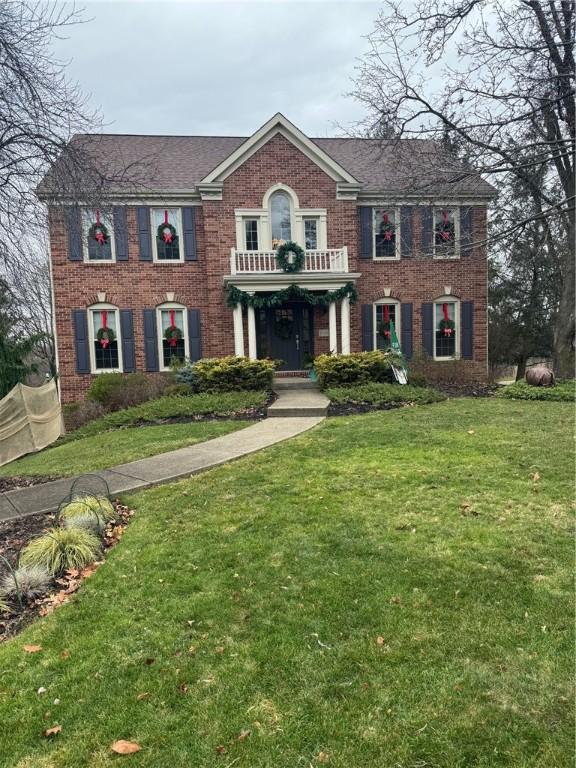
(398, 226)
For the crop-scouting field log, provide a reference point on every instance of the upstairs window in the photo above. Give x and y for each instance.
(311, 234)
(386, 240)
(97, 235)
(166, 230)
(281, 218)
(446, 233)
(251, 234)
(105, 342)
(386, 316)
(446, 321)
(173, 333)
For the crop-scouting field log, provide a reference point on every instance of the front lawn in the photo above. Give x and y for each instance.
(106, 449)
(387, 590)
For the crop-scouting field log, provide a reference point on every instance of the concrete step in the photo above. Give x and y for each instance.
(294, 402)
(293, 384)
(296, 412)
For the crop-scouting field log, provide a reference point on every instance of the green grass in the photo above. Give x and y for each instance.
(106, 449)
(171, 407)
(563, 391)
(381, 394)
(446, 531)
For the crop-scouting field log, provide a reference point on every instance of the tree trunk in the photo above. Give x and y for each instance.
(565, 327)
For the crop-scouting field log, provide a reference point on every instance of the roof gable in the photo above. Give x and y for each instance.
(279, 125)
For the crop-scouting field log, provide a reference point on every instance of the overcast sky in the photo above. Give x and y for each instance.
(224, 68)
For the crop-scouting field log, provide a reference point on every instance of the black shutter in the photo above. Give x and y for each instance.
(365, 217)
(194, 334)
(189, 233)
(127, 338)
(467, 337)
(150, 340)
(466, 231)
(406, 329)
(367, 327)
(427, 231)
(74, 234)
(144, 238)
(406, 231)
(428, 329)
(120, 233)
(80, 322)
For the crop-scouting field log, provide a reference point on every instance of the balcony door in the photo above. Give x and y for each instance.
(285, 333)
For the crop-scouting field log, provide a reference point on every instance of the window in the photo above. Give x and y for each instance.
(446, 233)
(251, 234)
(281, 217)
(166, 230)
(386, 322)
(311, 234)
(173, 330)
(98, 235)
(105, 347)
(446, 322)
(386, 241)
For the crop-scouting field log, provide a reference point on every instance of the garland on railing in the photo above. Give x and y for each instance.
(236, 296)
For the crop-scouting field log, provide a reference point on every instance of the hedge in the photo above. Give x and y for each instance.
(358, 368)
(563, 391)
(224, 374)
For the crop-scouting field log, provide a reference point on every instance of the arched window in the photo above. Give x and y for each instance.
(173, 334)
(446, 328)
(280, 216)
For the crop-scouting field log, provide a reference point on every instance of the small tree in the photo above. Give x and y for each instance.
(16, 349)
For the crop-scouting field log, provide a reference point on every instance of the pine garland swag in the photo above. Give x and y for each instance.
(283, 257)
(236, 296)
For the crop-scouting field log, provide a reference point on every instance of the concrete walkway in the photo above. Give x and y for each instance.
(162, 468)
(298, 397)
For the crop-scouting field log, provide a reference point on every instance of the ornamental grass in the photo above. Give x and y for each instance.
(61, 549)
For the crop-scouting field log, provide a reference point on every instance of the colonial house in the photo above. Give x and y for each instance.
(190, 262)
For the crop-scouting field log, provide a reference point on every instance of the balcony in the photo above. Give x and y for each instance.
(328, 260)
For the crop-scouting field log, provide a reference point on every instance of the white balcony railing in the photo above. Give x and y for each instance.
(260, 262)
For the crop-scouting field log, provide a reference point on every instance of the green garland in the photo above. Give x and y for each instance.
(236, 296)
(282, 257)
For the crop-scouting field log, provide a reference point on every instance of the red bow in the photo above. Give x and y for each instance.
(447, 331)
(445, 234)
(166, 233)
(98, 234)
(104, 341)
(172, 341)
(387, 235)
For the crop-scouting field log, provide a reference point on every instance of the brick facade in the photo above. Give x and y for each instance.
(139, 285)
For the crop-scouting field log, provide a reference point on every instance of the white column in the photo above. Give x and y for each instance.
(332, 326)
(251, 333)
(238, 331)
(345, 325)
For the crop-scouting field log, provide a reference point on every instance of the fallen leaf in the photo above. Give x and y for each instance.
(41, 690)
(323, 757)
(125, 747)
(219, 649)
(242, 735)
(52, 731)
(395, 600)
(221, 750)
(65, 654)
(470, 431)
(192, 650)
(32, 648)
(142, 696)
(380, 640)
(184, 688)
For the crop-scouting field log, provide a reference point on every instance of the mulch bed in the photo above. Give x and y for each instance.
(473, 389)
(15, 534)
(12, 483)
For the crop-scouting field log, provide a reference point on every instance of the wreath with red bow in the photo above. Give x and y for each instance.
(445, 232)
(387, 229)
(446, 325)
(384, 328)
(172, 334)
(105, 336)
(166, 232)
(98, 231)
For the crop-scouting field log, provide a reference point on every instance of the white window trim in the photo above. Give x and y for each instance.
(244, 244)
(92, 337)
(379, 303)
(167, 306)
(398, 249)
(85, 227)
(179, 232)
(457, 330)
(456, 210)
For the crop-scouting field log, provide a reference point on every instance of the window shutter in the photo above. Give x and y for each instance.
(120, 233)
(427, 231)
(74, 234)
(428, 329)
(80, 322)
(406, 329)
(189, 233)
(150, 340)
(127, 338)
(365, 214)
(466, 231)
(144, 238)
(467, 337)
(194, 334)
(406, 231)
(367, 327)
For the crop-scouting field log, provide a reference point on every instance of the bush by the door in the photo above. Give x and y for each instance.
(222, 374)
(358, 368)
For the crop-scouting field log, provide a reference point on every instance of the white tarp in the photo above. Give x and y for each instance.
(30, 419)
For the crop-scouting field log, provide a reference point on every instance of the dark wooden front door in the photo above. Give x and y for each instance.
(286, 333)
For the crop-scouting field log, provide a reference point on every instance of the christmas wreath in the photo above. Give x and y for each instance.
(283, 328)
(445, 232)
(172, 334)
(166, 232)
(105, 336)
(384, 327)
(98, 231)
(387, 230)
(446, 326)
(290, 257)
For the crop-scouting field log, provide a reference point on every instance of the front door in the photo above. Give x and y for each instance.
(286, 334)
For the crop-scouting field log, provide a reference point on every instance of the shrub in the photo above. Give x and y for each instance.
(97, 506)
(417, 379)
(60, 549)
(563, 391)
(117, 390)
(381, 394)
(77, 414)
(358, 368)
(178, 390)
(29, 581)
(222, 374)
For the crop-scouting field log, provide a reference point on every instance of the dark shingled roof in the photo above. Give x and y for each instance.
(178, 163)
